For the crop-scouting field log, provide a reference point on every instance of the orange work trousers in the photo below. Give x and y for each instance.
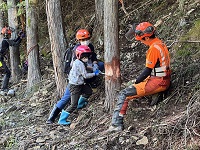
(149, 86)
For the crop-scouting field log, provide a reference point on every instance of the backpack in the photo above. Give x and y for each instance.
(68, 59)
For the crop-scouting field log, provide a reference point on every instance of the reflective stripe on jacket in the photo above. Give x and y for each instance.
(158, 58)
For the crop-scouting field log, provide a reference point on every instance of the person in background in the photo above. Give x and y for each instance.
(77, 85)
(4, 49)
(155, 77)
(93, 64)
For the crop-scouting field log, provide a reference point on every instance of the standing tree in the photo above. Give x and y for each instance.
(98, 28)
(112, 54)
(14, 51)
(99, 12)
(58, 42)
(34, 74)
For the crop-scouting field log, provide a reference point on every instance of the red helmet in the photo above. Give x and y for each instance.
(82, 49)
(6, 30)
(82, 34)
(144, 29)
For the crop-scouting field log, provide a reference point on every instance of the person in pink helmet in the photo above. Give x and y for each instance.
(77, 85)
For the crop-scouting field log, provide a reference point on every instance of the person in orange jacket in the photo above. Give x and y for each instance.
(155, 77)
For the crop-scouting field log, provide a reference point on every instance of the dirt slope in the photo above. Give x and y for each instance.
(173, 124)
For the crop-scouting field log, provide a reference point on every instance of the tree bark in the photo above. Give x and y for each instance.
(14, 50)
(98, 25)
(112, 54)
(34, 74)
(99, 11)
(58, 42)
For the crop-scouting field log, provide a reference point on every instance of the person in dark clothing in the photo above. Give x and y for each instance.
(4, 48)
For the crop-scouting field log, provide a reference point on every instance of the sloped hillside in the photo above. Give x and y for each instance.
(173, 124)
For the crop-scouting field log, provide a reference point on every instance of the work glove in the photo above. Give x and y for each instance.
(22, 34)
(130, 83)
(96, 72)
(95, 67)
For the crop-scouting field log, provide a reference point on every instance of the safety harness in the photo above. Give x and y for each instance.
(163, 69)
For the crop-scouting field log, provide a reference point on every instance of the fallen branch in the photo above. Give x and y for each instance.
(123, 8)
(141, 6)
(195, 132)
(173, 42)
(184, 41)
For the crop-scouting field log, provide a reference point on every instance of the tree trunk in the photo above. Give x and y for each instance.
(112, 54)
(34, 74)
(58, 42)
(99, 11)
(1, 20)
(98, 28)
(14, 51)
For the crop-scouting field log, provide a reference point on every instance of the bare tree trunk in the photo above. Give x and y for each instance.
(34, 74)
(99, 11)
(58, 42)
(1, 20)
(14, 51)
(112, 54)
(98, 28)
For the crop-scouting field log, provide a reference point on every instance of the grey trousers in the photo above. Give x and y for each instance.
(117, 120)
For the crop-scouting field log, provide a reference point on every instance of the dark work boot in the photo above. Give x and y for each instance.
(119, 126)
(156, 98)
(54, 113)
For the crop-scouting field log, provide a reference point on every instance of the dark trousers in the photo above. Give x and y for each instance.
(76, 91)
(7, 74)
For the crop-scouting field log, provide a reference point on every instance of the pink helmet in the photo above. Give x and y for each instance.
(82, 49)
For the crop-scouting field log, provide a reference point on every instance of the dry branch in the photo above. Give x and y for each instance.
(123, 7)
(186, 123)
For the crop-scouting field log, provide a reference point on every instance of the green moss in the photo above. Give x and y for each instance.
(29, 22)
(186, 49)
(193, 33)
(183, 52)
(43, 52)
(3, 6)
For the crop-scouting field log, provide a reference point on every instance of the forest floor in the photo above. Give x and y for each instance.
(22, 123)
(172, 124)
